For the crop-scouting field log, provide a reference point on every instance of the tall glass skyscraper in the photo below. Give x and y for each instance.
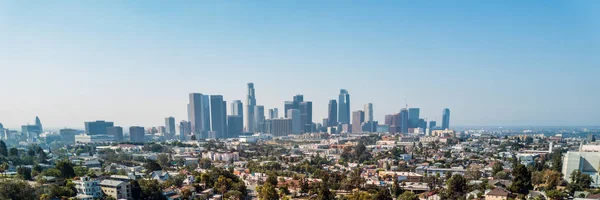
(369, 112)
(170, 127)
(332, 113)
(218, 115)
(198, 113)
(259, 118)
(446, 119)
(237, 108)
(404, 120)
(344, 107)
(250, 104)
(413, 117)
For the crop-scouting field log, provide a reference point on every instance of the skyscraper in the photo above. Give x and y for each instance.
(295, 116)
(38, 123)
(250, 104)
(413, 118)
(404, 120)
(170, 127)
(287, 106)
(358, 117)
(369, 112)
(273, 113)
(116, 132)
(185, 129)
(259, 118)
(97, 128)
(206, 113)
(136, 134)
(306, 115)
(197, 113)
(332, 113)
(237, 108)
(446, 119)
(235, 126)
(344, 107)
(280, 127)
(218, 115)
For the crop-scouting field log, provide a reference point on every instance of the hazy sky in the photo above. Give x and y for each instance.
(134, 62)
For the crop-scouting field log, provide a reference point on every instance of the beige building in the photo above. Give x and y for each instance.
(498, 193)
(116, 189)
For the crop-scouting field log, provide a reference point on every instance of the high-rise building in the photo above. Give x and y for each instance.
(332, 113)
(38, 123)
(97, 128)
(206, 112)
(218, 115)
(273, 113)
(250, 104)
(170, 127)
(31, 131)
(237, 108)
(306, 115)
(280, 127)
(404, 120)
(197, 113)
(259, 118)
(389, 119)
(295, 116)
(287, 106)
(67, 135)
(116, 132)
(185, 130)
(413, 118)
(432, 125)
(344, 107)
(358, 117)
(423, 124)
(369, 112)
(446, 119)
(136, 134)
(235, 126)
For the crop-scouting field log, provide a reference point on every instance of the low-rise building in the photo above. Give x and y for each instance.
(116, 189)
(87, 188)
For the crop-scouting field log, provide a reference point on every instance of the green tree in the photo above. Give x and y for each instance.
(151, 166)
(521, 180)
(497, 167)
(557, 161)
(13, 152)
(408, 195)
(579, 181)
(24, 173)
(556, 194)
(15, 189)
(272, 179)
(267, 192)
(456, 187)
(66, 169)
(150, 189)
(163, 160)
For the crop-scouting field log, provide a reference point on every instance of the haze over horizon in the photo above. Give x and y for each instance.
(135, 62)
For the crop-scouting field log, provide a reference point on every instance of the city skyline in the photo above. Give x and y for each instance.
(500, 64)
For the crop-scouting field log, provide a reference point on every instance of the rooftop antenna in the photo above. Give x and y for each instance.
(406, 102)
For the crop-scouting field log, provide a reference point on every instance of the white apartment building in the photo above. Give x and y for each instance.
(87, 188)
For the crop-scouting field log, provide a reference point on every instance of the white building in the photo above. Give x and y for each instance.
(87, 188)
(586, 162)
(93, 138)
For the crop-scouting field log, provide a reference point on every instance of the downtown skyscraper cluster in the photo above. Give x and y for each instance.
(208, 118)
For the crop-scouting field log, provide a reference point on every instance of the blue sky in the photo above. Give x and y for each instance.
(134, 62)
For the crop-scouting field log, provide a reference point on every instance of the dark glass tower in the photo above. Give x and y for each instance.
(332, 113)
(344, 107)
(446, 119)
(218, 115)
